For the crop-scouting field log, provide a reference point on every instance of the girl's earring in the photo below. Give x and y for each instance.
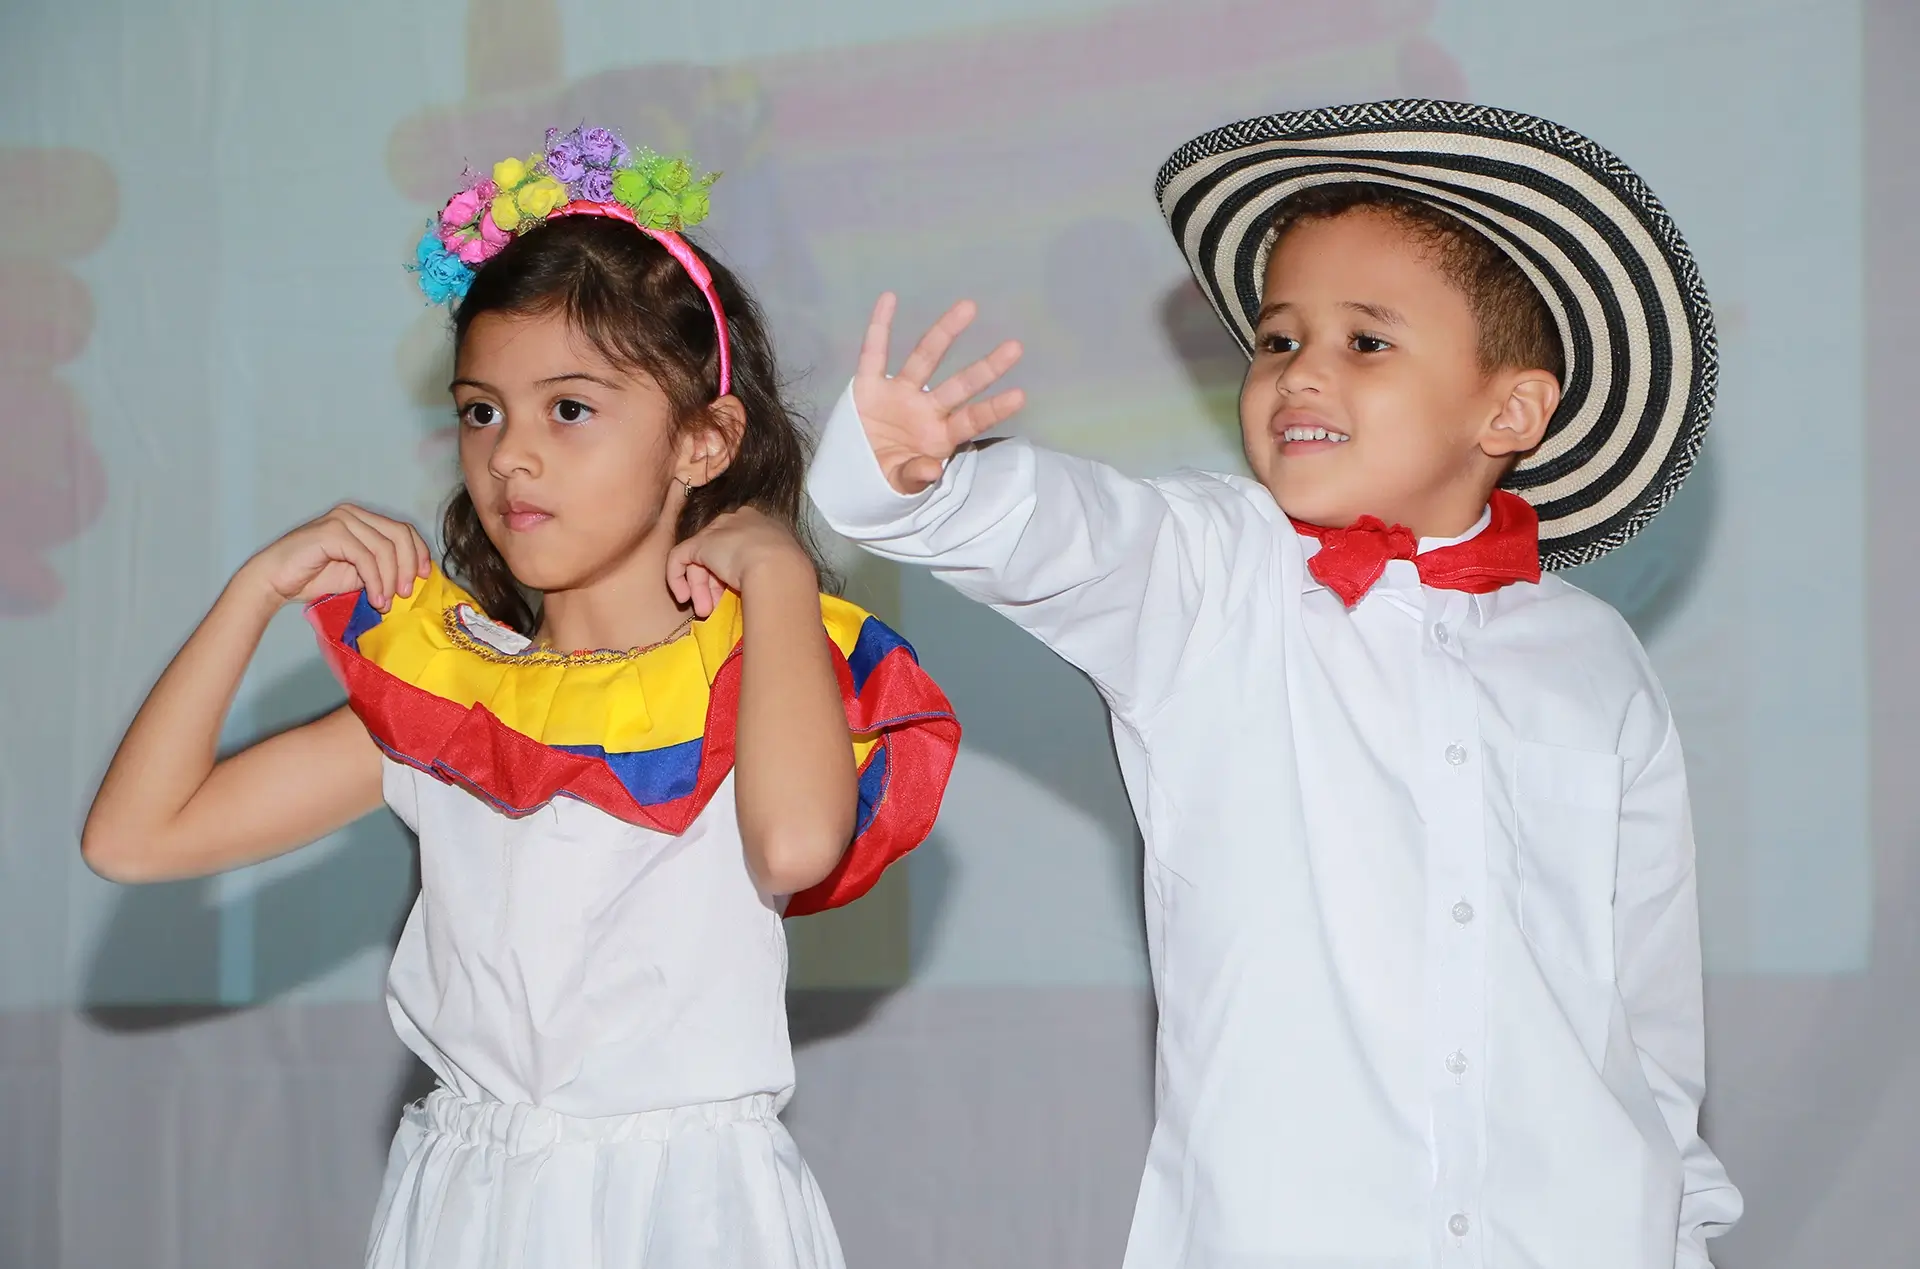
(687, 485)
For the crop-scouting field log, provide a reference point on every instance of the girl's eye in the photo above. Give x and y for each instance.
(480, 414)
(1369, 344)
(567, 410)
(1277, 344)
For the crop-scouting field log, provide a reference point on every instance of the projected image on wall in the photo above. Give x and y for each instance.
(1003, 153)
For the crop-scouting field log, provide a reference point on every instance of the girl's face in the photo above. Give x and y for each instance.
(572, 461)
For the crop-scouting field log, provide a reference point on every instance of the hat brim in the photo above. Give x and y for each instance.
(1641, 363)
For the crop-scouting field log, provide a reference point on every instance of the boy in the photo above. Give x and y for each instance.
(1419, 868)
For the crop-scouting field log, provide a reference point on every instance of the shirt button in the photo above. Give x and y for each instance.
(1440, 635)
(1456, 1063)
(1462, 912)
(1456, 755)
(1458, 1225)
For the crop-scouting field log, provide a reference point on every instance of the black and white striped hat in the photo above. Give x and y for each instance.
(1634, 318)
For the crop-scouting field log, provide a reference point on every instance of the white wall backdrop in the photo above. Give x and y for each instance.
(206, 336)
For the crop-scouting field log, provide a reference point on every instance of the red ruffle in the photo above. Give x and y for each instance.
(916, 732)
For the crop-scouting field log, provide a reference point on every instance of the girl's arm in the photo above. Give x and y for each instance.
(795, 787)
(167, 808)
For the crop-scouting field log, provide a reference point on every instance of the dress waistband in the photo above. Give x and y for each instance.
(523, 1129)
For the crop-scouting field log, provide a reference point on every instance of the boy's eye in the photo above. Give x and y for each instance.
(567, 410)
(480, 414)
(1370, 344)
(1277, 344)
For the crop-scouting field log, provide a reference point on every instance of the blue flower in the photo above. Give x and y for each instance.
(443, 276)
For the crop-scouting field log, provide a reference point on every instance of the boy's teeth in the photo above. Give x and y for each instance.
(1313, 434)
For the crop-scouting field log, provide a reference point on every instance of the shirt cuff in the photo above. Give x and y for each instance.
(846, 482)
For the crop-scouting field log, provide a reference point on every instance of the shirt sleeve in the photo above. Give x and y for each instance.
(1657, 934)
(1108, 571)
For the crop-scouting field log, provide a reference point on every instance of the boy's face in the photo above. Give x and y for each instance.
(1366, 396)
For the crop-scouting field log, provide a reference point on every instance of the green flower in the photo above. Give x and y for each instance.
(662, 193)
(694, 204)
(629, 187)
(672, 175)
(659, 210)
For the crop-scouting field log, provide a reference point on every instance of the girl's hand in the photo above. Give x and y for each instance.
(349, 548)
(724, 556)
(914, 428)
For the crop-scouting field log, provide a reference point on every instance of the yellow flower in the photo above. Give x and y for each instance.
(508, 173)
(505, 214)
(537, 198)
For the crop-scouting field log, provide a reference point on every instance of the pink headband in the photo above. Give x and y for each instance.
(585, 172)
(680, 249)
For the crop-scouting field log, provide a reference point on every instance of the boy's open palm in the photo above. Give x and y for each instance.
(914, 427)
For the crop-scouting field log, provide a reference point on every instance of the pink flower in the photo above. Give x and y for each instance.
(461, 209)
(474, 248)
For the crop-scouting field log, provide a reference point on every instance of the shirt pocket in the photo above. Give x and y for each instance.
(1567, 808)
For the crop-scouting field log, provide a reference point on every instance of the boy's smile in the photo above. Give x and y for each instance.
(1366, 395)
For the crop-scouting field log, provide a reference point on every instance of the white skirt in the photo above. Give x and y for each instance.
(482, 1185)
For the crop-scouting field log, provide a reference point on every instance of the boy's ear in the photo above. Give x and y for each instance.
(708, 447)
(1525, 408)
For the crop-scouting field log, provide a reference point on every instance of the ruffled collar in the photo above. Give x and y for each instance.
(646, 736)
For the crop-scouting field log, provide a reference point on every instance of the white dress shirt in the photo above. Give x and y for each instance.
(1419, 875)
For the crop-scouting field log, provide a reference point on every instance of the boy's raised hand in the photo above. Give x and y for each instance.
(913, 426)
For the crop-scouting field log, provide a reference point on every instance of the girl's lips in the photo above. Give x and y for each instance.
(521, 516)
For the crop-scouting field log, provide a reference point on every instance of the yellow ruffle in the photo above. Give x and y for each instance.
(623, 702)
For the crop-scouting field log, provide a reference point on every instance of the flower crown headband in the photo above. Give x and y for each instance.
(586, 172)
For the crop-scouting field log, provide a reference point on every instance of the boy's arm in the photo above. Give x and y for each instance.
(1104, 569)
(1069, 549)
(1657, 934)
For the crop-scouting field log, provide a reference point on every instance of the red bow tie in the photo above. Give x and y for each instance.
(1351, 560)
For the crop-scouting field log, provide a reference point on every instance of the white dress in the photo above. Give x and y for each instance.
(605, 1009)
(602, 995)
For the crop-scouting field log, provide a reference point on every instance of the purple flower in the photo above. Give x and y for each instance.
(597, 185)
(564, 160)
(600, 148)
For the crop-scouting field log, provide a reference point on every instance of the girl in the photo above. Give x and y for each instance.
(595, 968)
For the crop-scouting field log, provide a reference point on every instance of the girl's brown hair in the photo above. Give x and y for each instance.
(637, 306)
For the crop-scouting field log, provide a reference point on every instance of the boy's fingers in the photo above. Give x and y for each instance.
(963, 385)
(922, 471)
(873, 348)
(925, 357)
(983, 416)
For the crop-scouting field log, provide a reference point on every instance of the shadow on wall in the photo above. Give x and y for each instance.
(162, 943)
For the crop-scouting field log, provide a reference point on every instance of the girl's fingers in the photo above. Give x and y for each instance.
(677, 567)
(386, 556)
(873, 348)
(424, 554)
(343, 544)
(406, 561)
(925, 357)
(700, 593)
